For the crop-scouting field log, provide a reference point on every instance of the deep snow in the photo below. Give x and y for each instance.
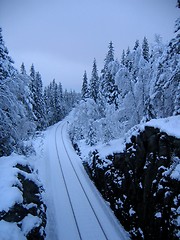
(60, 219)
(10, 195)
(61, 223)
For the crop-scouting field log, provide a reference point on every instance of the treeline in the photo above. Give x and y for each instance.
(143, 84)
(25, 105)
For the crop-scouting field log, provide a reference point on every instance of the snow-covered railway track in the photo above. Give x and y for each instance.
(79, 211)
(81, 186)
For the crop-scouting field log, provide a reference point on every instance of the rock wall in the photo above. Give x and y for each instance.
(142, 184)
(30, 215)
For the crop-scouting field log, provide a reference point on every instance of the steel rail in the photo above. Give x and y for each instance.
(105, 235)
(65, 184)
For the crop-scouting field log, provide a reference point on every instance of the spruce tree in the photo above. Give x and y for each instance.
(110, 56)
(32, 82)
(6, 63)
(128, 59)
(39, 110)
(145, 49)
(123, 57)
(85, 90)
(94, 83)
(136, 45)
(23, 69)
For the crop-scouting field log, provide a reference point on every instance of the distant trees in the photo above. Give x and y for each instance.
(58, 103)
(145, 84)
(25, 106)
(36, 91)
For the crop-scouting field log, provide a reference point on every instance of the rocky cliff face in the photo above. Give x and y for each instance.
(27, 215)
(142, 184)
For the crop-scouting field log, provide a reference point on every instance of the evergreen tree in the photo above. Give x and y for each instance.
(23, 69)
(94, 83)
(109, 89)
(6, 63)
(123, 57)
(38, 107)
(39, 110)
(15, 124)
(178, 3)
(145, 49)
(136, 45)
(110, 56)
(85, 89)
(48, 105)
(32, 84)
(128, 59)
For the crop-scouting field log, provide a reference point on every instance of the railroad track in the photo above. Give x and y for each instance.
(84, 194)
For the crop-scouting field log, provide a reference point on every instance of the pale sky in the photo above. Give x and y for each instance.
(62, 37)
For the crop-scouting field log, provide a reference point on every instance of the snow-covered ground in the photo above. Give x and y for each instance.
(169, 125)
(75, 208)
(10, 194)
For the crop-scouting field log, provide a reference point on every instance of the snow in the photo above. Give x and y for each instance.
(10, 231)
(131, 212)
(29, 222)
(114, 146)
(60, 219)
(69, 189)
(176, 173)
(158, 215)
(170, 125)
(9, 195)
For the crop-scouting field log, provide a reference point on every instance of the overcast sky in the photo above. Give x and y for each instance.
(62, 37)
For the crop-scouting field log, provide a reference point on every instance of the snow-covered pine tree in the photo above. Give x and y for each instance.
(128, 59)
(123, 57)
(6, 62)
(94, 83)
(15, 107)
(110, 56)
(23, 69)
(166, 90)
(38, 106)
(174, 53)
(39, 109)
(85, 88)
(32, 87)
(108, 91)
(145, 49)
(136, 45)
(48, 105)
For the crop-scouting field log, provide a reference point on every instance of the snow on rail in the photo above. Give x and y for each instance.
(76, 209)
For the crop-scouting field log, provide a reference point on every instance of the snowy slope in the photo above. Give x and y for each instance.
(75, 208)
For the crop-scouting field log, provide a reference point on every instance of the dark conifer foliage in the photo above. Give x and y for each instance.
(145, 49)
(58, 103)
(85, 87)
(94, 83)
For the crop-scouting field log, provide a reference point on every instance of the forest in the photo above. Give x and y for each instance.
(118, 103)
(27, 106)
(143, 85)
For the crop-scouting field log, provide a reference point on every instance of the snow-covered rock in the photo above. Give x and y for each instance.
(22, 211)
(142, 181)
